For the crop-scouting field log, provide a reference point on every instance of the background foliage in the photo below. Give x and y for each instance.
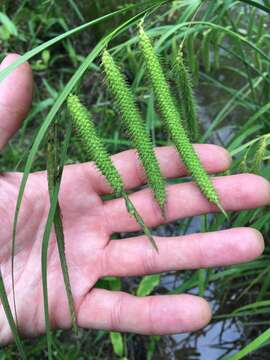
(226, 44)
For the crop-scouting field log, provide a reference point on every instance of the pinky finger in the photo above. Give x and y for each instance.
(152, 315)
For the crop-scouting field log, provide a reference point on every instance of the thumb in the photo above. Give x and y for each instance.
(15, 98)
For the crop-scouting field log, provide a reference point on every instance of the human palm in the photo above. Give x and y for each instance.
(89, 223)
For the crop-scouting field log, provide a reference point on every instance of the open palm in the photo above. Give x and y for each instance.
(89, 223)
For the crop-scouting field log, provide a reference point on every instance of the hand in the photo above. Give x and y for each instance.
(89, 222)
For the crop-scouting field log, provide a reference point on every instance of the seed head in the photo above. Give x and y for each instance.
(187, 99)
(92, 144)
(173, 121)
(96, 151)
(135, 127)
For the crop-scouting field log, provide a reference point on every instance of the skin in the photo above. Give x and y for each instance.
(89, 223)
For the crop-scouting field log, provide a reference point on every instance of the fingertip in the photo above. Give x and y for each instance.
(243, 191)
(16, 92)
(257, 245)
(226, 157)
(204, 313)
(265, 186)
(214, 156)
(258, 190)
(187, 313)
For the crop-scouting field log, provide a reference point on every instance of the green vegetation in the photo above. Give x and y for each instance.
(187, 101)
(135, 127)
(96, 151)
(226, 49)
(174, 123)
(92, 143)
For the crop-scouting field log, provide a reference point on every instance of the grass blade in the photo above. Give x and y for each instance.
(133, 212)
(5, 304)
(76, 9)
(257, 5)
(254, 345)
(148, 284)
(54, 175)
(44, 257)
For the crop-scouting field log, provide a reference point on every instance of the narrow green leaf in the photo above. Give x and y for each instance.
(8, 313)
(256, 305)
(54, 175)
(133, 212)
(257, 5)
(76, 9)
(9, 25)
(148, 284)
(151, 347)
(44, 256)
(117, 343)
(254, 345)
(202, 278)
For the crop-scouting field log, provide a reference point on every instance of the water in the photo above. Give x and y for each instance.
(213, 342)
(208, 345)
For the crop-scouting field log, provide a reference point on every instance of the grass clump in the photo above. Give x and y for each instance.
(173, 120)
(135, 127)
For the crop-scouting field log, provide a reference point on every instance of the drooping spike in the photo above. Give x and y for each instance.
(173, 121)
(135, 127)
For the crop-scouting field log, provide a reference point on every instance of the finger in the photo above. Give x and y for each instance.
(155, 315)
(214, 158)
(134, 256)
(15, 98)
(237, 192)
